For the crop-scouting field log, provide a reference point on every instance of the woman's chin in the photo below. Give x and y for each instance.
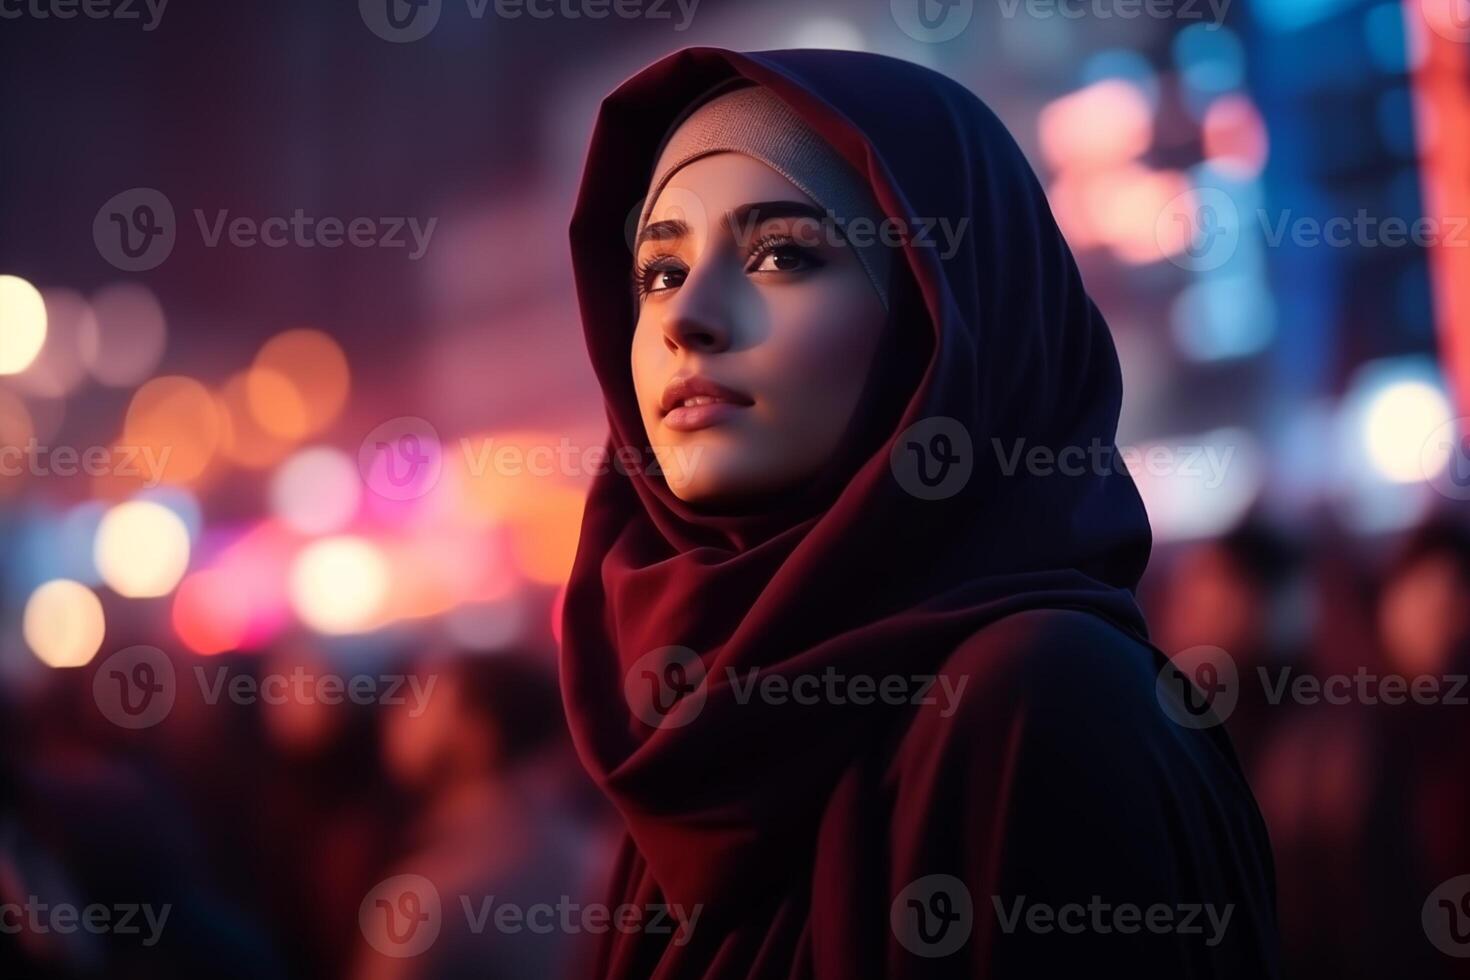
(726, 485)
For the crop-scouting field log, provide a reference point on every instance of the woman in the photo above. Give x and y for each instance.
(862, 671)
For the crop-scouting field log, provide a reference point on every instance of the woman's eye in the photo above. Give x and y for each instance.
(662, 279)
(658, 276)
(781, 258)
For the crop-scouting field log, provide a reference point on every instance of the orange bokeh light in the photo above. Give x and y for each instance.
(242, 440)
(298, 384)
(177, 419)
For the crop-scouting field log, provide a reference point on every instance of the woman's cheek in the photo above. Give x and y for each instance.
(825, 355)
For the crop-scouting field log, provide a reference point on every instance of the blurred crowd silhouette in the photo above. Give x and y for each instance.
(264, 828)
(1360, 775)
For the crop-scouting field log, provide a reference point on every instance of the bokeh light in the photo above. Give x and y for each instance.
(338, 585)
(298, 383)
(22, 324)
(57, 370)
(142, 549)
(211, 612)
(1107, 123)
(257, 563)
(242, 439)
(1235, 137)
(176, 418)
(63, 623)
(1197, 486)
(1397, 422)
(123, 341)
(16, 430)
(317, 490)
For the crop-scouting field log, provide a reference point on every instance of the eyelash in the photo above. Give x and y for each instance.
(763, 247)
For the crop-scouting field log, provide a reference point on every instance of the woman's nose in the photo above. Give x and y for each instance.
(698, 319)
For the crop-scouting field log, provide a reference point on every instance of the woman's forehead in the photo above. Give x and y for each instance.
(709, 187)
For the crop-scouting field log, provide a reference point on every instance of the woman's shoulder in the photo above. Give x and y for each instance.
(1068, 664)
(1058, 777)
(1064, 692)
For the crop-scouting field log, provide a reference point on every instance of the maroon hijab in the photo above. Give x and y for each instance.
(856, 573)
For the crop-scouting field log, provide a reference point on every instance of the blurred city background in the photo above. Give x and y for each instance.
(296, 422)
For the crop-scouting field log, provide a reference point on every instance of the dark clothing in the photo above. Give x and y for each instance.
(807, 832)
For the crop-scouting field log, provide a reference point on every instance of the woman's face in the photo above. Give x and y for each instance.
(744, 283)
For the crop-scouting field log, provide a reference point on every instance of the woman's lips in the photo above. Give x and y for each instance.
(692, 417)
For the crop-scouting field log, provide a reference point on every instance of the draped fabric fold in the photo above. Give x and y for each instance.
(990, 331)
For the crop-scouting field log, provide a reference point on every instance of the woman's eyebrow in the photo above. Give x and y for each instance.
(662, 231)
(754, 213)
(746, 215)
